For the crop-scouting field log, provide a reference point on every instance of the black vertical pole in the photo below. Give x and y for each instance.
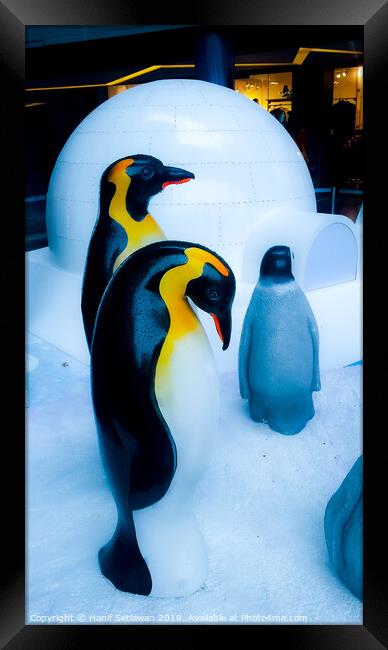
(215, 59)
(312, 92)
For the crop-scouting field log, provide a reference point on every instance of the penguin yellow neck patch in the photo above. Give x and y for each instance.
(172, 288)
(139, 233)
(199, 255)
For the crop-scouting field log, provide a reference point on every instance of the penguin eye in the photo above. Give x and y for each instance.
(147, 172)
(213, 294)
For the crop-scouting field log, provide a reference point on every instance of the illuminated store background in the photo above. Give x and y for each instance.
(310, 79)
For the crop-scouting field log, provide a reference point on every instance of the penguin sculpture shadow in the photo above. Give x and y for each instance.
(123, 224)
(343, 529)
(279, 348)
(155, 397)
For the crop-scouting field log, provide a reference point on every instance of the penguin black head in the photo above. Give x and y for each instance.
(213, 291)
(148, 176)
(276, 264)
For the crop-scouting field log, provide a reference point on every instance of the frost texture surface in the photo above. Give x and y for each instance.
(260, 506)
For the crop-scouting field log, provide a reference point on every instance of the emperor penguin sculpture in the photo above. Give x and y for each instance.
(155, 396)
(279, 348)
(123, 224)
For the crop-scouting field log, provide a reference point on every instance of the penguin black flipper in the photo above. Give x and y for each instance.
(91, 291)
(314, 333)
(105, 244)
(243, 356)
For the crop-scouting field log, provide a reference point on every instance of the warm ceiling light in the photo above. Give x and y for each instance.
(300, 57)
(127, 77)
(344, 74)
(34, 104)
(338, 76)
(274, 83)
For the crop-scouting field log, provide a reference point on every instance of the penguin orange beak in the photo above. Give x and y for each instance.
(223, 325)
(176, 176)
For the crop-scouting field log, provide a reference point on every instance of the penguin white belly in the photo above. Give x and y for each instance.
(167, 532)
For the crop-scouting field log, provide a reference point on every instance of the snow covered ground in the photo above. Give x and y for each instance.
(260, 506)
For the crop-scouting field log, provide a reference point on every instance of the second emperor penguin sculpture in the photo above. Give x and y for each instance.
(279, 348)
(155, 396)
(123, 224)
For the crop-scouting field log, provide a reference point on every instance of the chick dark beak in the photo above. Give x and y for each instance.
(175, 176)
(223, 325)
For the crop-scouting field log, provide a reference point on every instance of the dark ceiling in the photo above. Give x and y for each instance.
(42, 36)
(76, 54)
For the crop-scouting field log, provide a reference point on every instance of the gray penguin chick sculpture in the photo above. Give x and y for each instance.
(279, 348)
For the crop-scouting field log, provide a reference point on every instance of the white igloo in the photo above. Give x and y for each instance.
(248, 171)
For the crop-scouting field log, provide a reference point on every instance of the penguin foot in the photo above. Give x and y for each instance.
(173, 548)
(286, 430)
(291, 418)
(122, 563)
(256, 411)
(288, 426)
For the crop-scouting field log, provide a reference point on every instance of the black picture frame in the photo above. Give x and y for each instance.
(14, 16)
